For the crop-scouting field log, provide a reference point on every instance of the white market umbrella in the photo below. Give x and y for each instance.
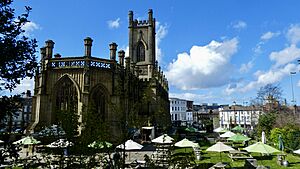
(219, 147)
(220, 130)
(130, 145)
(163, 139)
(29, 140)
(297, 151)
(186, 143)
(61, 143)
(260, 147)
(228, 134)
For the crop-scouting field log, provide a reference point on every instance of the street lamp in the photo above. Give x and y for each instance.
(293, 97)
(234, 116)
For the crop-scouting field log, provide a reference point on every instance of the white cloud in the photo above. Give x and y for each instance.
(258, 48)
(204, 67)
(284, 63)
(126, 51)
(264, 38)
(293, 34)
(239, 25)
(25, 84)
(29, 27)
(298, 83)
(161, 32)
(114, 24)
(245, 67)
(263, 78)
(286, 55)
(268, 35)
(197, 98)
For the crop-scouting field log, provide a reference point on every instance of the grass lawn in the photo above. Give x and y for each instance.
(210, 158)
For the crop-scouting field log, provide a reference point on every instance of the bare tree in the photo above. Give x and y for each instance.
(270, 96)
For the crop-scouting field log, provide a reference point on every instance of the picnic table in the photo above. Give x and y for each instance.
(239, 155)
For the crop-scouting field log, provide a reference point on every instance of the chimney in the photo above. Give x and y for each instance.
(57, 55)
(121, 55)
(88, 42)
(113, 48)
(49, 48)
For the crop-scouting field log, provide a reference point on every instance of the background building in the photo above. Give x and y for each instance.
(20, 119)
(181, 110)
(245, 116)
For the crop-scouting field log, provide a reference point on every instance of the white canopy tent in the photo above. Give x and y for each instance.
(130, 145)
(227, 134)
(163, 139)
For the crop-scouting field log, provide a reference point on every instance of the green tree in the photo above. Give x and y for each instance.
(9, 106)
(290, 136)
(95, 128)
(68, 119)
(275, 133)
(17, 52)
(266, 122)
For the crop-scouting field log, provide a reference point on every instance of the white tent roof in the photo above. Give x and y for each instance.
(130, 145)
(186, 143)
(227, 134)
(219, 129)
(163, 139)
(297, 151)
(219, 147)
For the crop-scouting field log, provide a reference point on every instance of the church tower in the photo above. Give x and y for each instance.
(142, 45)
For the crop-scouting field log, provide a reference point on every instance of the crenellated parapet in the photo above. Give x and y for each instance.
(141, 23)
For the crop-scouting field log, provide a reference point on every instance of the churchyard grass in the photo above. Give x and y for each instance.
(211, 158)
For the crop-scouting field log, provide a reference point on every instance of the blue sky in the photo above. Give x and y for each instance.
(211, 51)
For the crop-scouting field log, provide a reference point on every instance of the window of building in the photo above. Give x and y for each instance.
(140, 52)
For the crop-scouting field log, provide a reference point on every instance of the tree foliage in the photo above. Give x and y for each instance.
(9, 105)
(95, 128)
(68, 120)
(17, 52)
(266, 122)
(290, 136)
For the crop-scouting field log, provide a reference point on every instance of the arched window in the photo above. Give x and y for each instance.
(98, 103)
(140, 52)
(66, 95)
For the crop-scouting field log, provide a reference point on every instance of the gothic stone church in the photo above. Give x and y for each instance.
(131, 90)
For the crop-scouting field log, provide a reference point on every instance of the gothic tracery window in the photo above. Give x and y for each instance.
(140, 52)
(66, 95)
(98, 98)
